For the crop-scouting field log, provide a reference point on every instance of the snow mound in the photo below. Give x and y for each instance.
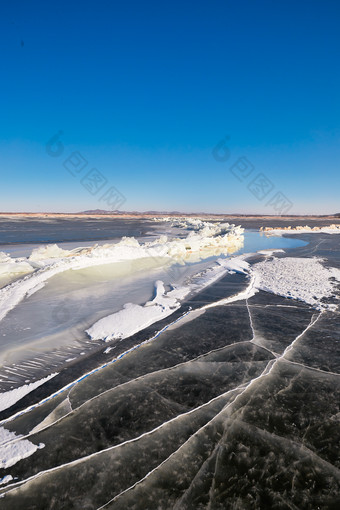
(49, 251)
(10, 266)
(133, 318)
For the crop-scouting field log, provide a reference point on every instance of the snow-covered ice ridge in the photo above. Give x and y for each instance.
(194, 223)
(133, 318)
(205, 235)
(304, 279)
(13, 266)
(47, 261)
(331, 229)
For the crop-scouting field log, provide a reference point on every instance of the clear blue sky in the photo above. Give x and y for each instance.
(144, 90)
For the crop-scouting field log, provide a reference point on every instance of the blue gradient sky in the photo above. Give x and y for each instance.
(145, 91)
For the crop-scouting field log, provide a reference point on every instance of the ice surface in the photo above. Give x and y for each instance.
(134, 318)
(233, 404)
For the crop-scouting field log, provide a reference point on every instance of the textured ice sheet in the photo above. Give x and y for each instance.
(142, 433)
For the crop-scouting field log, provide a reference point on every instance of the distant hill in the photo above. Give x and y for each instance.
(103, 211)
(179, 213)
(99, 211)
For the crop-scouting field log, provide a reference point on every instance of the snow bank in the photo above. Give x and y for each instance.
(331, 229)
(9, 398)
(13, 449)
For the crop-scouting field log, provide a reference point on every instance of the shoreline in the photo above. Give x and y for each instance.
(155, 214)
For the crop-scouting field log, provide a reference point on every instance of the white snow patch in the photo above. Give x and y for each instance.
(13, 449)
(304, 279)
(235, 264)
(9, 398)
(133, 318)
(270, 252)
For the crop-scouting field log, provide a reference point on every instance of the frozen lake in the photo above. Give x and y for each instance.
(226, 400)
